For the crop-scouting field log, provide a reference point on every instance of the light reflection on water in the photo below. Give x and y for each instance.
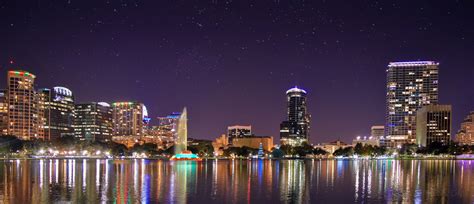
(236, 181)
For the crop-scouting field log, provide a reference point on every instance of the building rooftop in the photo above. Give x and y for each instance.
(412, 63)
(22, 73)
(295, 89)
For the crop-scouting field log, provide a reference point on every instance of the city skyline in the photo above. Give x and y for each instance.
(412, 77)
(225, 80)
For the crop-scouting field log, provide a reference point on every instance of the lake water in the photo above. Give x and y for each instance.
(227, 181)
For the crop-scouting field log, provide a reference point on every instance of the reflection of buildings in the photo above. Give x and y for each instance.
(466, 134)
(295, 130)
(293, 184)
(433, 124)
(23, 112)
(410, 85)
(57, 112)
(236, 181)
(331, 147)
(238, 131)
(93, 121)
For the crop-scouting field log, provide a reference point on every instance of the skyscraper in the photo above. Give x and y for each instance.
(93, 121)
(23, 112)
(410, 86)
(57, 112)
(128, 118)
(238, 131)
(295, 130)
(433, 124)
(465, 135)
(3, 113)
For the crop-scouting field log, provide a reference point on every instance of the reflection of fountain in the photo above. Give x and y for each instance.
(181, 144)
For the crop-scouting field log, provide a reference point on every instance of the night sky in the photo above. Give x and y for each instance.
(230, 62)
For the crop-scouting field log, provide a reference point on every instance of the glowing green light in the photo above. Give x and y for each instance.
(186, 156)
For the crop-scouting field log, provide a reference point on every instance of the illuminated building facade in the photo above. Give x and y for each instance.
(23, 111)
(410, 86)
(433, 124)
(128, 118)
(377, 131)
(3, 113)
(331, 147)
(295, 130)
(219, 144)
(168, 126)
(465, 135)
(371, 140)
(93, 121)
(238, 131)
(254, 142)
(56, 112)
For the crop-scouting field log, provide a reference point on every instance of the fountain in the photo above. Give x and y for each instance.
(181, 141)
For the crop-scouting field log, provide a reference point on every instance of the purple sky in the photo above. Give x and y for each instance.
(230, 62)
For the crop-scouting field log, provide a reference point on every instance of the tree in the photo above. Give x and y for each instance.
(202, 149)
(240, 151)
(148, 148)
(303, 150)
(346, 152)
(408, 149)
(319, 151)
(10, 143)
(287, 150)
(277, 153)
(118, 149)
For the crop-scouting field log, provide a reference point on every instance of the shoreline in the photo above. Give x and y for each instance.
(251, 159)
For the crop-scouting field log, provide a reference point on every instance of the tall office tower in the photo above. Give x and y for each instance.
(93, 121)
(23, 112)
(128, 118)
(295, 130)
(433, 124)
(465, 135)
(3, 113)
(238, 131)
(57, 112)
(377, 131)
(410, 86)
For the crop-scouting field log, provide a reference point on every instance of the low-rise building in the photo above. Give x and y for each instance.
(238, 131)
(433, 124)
(465, 135)
(331, 147)
(254, 142)
(219, 144)
(370, 140)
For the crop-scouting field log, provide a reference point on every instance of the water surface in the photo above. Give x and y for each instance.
(227, 181)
